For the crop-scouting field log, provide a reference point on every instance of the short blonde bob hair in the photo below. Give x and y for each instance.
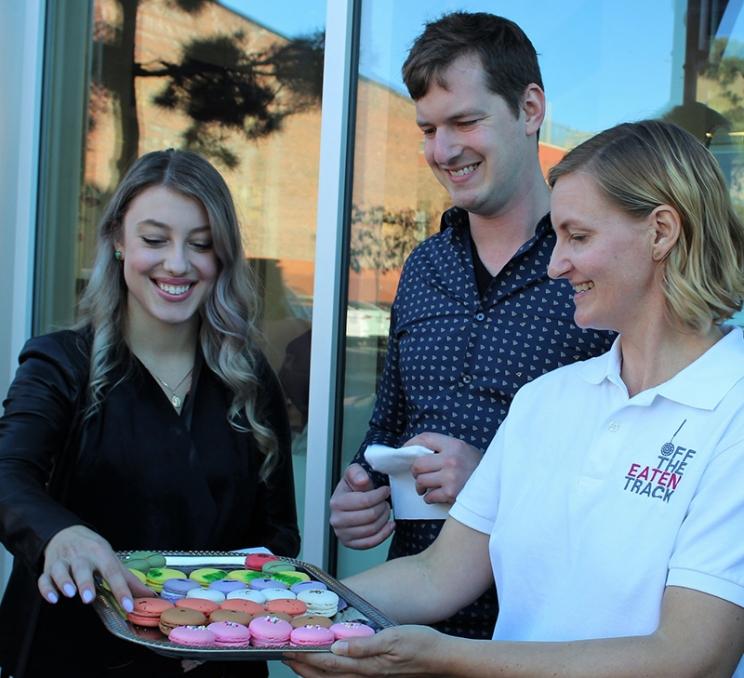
(639, 166)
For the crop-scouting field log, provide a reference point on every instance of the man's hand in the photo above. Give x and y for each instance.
(360, 514)
(441, 476)
(70, 559)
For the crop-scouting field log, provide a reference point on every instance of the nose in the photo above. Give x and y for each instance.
(559, 265)
(176, 260)
(445, 146)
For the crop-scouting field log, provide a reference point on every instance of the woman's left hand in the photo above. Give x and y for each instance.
(400, 651)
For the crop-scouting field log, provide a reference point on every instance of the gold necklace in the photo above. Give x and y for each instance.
(174, 398)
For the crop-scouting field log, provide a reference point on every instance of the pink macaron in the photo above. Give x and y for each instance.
(269, 631)
(344, 630)
(193, 636)
(311, 636)
(230, 634)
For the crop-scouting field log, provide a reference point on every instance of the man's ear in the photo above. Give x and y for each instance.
(533, 107)
(667, 225)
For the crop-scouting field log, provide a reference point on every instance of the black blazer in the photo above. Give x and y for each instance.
(145, 477)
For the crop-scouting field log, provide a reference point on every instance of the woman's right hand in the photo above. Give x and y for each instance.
(70, 559)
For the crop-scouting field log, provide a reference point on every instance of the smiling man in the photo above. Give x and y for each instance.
(475, 316)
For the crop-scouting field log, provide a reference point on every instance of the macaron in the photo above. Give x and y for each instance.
(320, 602)
(276, 566)
(147, 611)
(308, 586)
(226, 586)
(139, 575)
(269, 631)
(267, 583)
(247, 594)
(198, 604)
(290, 578)
(180, 616)
(157, 576)
(293, 608)
(235, 616)
(230, 634)
(278, 594)
(193, 636)
(207, 594)
(175, 589)
(247, 606)
(344, 630)
(256, 561)
(311, 620)
(143, 560)
(206, 575)
(245, 576)
(311, 636)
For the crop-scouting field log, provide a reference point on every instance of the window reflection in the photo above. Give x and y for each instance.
(681, 60)
(215, 78)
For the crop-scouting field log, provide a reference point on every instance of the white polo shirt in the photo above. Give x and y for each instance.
(596, 501)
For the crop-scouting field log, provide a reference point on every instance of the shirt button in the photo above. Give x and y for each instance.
(480, 317)
(466, 378)
(613, 427)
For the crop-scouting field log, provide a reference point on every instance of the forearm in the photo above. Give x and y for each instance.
(387, 587)
(419, 589)
(632, 657)
(698, 635)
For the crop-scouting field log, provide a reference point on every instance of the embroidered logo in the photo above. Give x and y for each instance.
(661, 480)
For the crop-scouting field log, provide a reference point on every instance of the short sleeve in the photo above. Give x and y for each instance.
(709, 553)
(477, 503)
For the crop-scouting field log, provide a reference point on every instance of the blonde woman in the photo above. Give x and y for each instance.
(609, 508)
(161, 412)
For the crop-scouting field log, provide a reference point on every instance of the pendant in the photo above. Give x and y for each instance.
(176, 401)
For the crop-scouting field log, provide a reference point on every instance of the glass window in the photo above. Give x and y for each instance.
(237, 81)
(602, 62)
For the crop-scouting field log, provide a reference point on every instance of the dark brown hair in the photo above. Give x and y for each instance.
(505, 52)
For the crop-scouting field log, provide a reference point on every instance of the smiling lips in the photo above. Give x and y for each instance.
(583, 287)
(463, 171)
(174, 290)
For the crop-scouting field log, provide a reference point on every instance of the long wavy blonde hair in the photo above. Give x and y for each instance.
(228, 333)
(639, 166)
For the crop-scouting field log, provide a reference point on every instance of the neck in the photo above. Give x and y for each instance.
(158, 343)
(498, 236)
(658, 353)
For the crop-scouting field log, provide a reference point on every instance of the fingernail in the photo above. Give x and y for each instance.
(52, 597)
(340, 647)
(127, 604)
(87, 596)
(69, 590)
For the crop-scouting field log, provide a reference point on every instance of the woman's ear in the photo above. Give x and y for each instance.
(667, 225)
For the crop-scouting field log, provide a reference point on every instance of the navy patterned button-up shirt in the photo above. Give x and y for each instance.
(456, 359)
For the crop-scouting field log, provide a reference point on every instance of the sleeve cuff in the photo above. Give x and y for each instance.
(707, 583)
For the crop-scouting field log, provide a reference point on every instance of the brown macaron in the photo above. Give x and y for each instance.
(247, 606)
(311, 620)
(180, 616)
(235, 616)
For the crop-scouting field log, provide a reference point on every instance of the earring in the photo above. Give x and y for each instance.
(118, 255)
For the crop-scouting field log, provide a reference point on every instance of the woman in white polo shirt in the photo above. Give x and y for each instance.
(609, 507)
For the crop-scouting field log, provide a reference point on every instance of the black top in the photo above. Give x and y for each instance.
(457, 356)
(146, 477)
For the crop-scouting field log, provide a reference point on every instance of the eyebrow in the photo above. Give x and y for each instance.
(163, 225)
(468, 113)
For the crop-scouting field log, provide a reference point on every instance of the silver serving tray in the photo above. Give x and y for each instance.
(114, 620)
